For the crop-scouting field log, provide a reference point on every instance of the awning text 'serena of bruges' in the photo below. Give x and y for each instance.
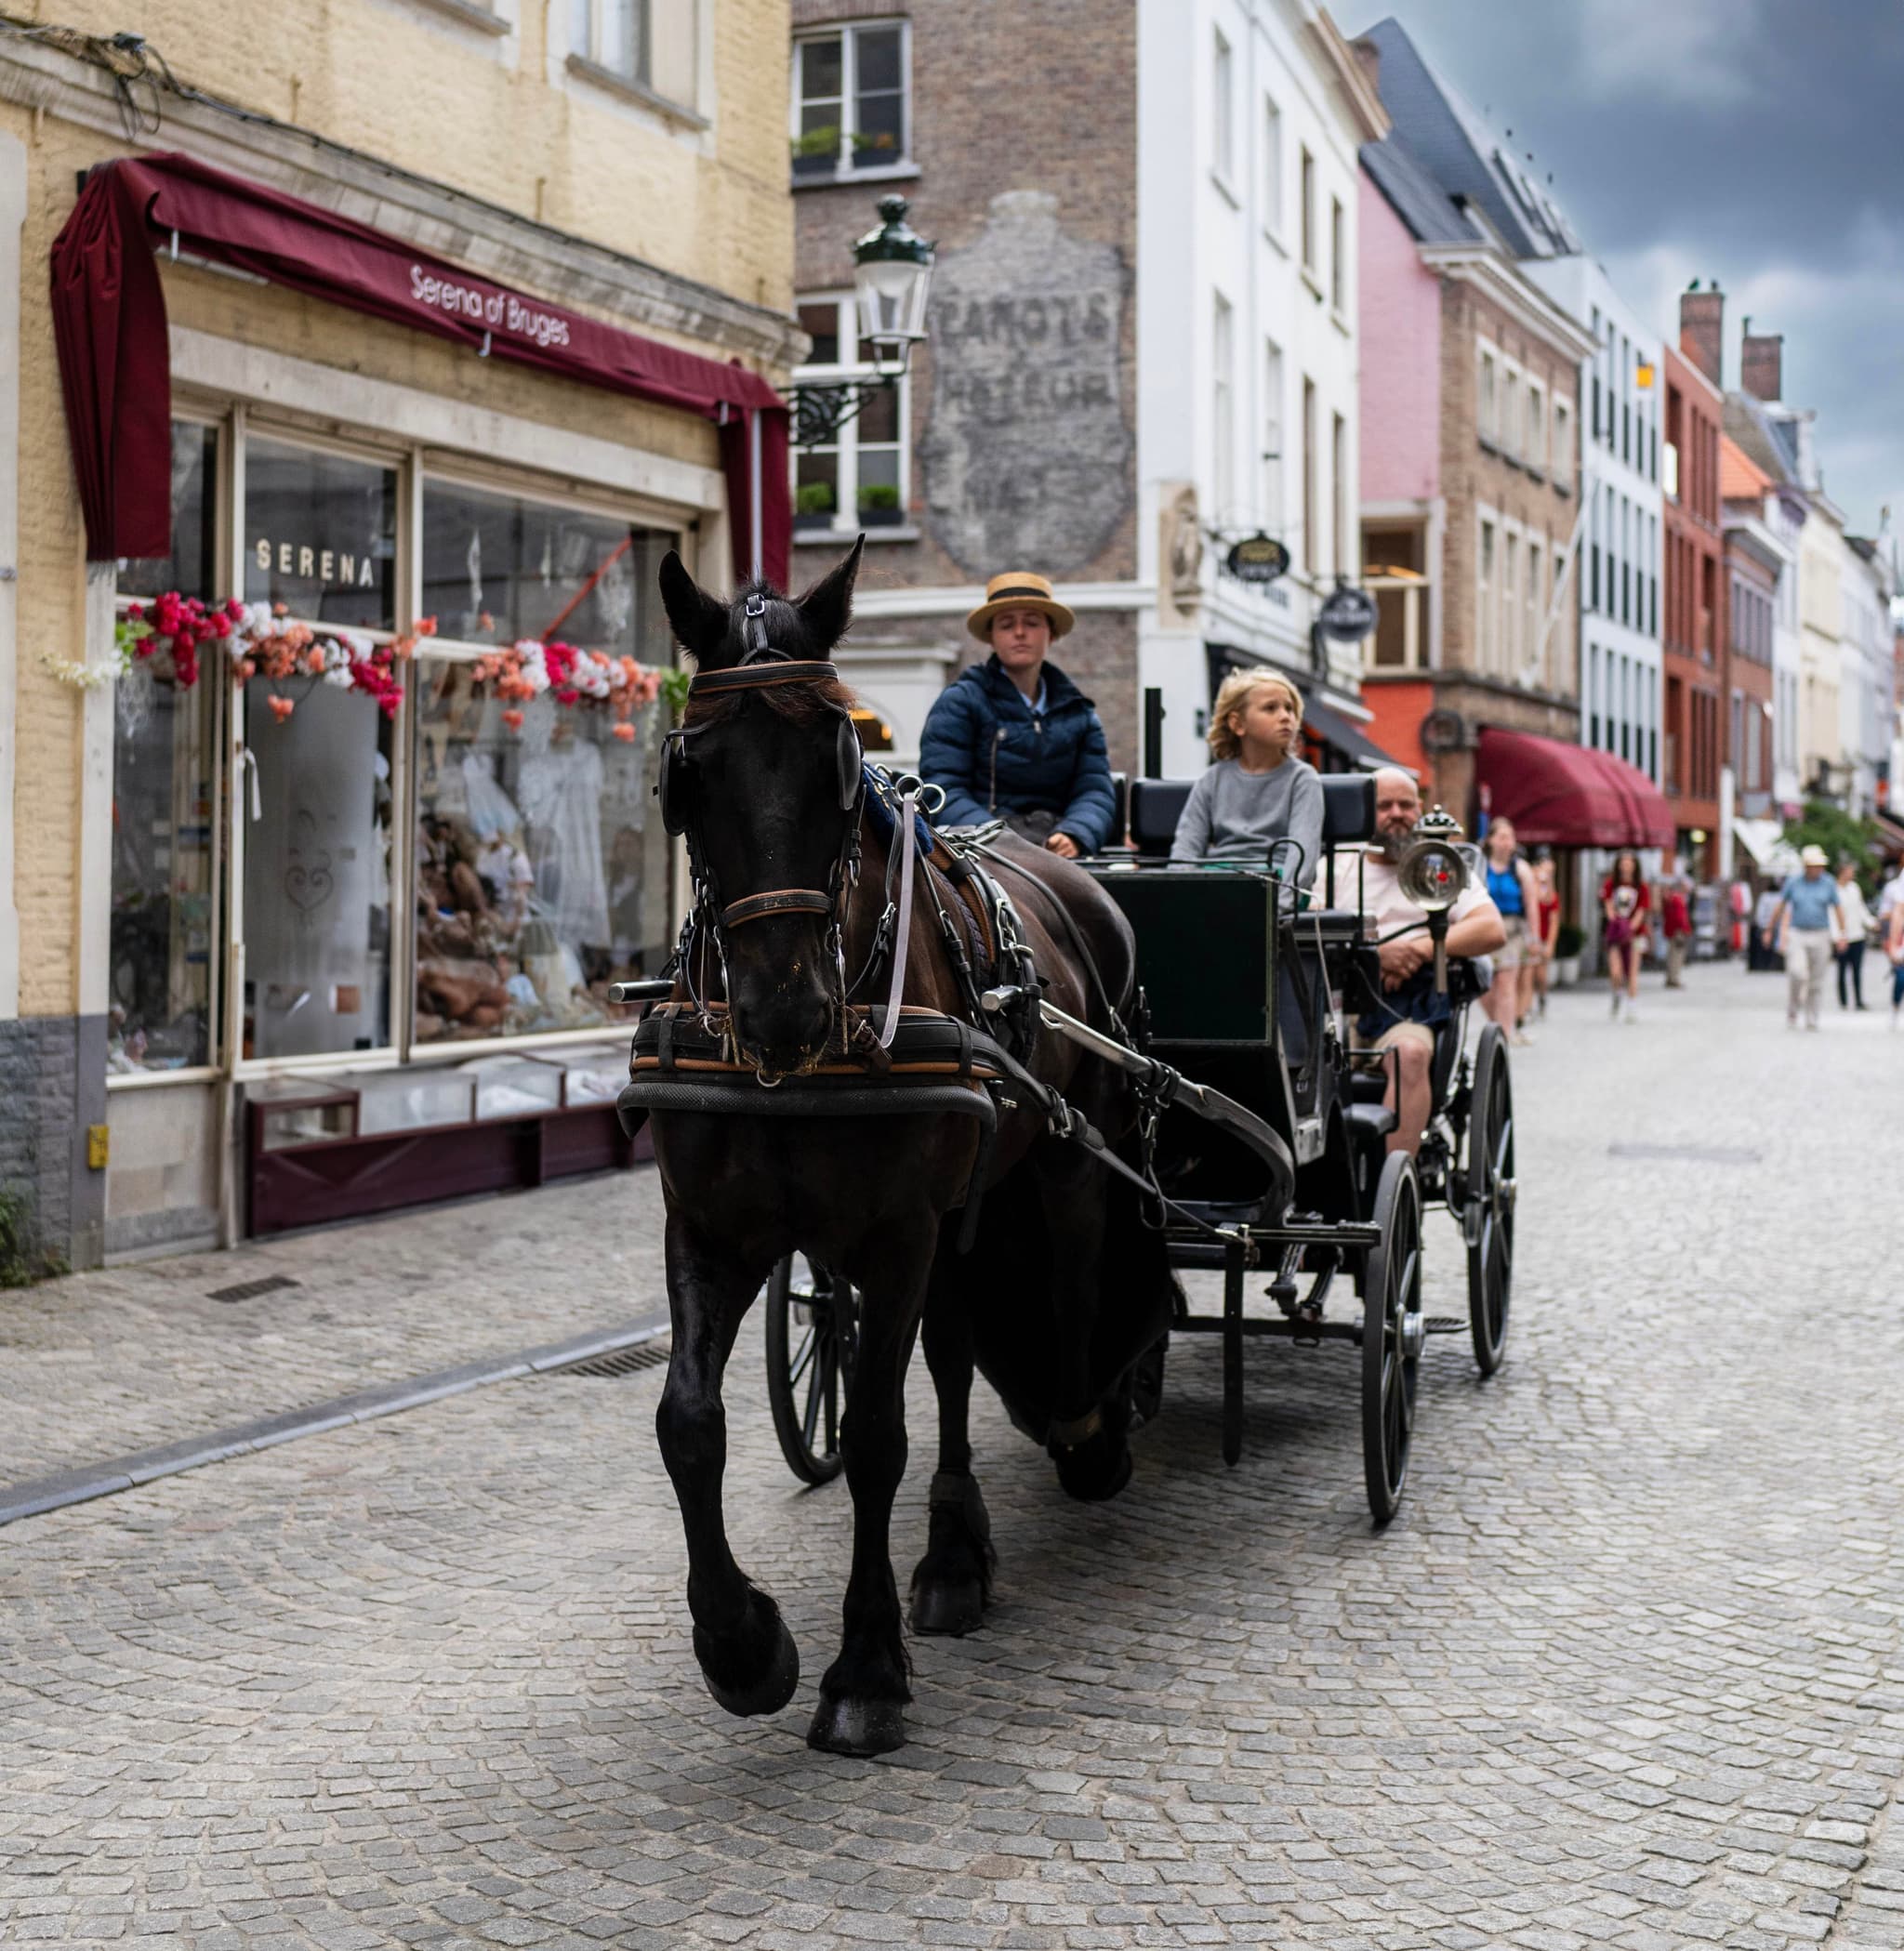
(109, 318)
(1559, 795)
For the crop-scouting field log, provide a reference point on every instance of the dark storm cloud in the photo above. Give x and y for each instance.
(1757, 141)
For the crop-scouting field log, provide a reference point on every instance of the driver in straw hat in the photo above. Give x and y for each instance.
(1012, 738)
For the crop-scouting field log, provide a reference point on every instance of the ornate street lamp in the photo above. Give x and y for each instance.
(891, 274)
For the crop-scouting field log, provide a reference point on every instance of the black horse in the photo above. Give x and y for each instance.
(1064, 1286)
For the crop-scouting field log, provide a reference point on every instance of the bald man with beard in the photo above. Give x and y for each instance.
(1409, 1009)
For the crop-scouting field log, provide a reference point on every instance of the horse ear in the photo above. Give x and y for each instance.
(699, 621)
(826, 608)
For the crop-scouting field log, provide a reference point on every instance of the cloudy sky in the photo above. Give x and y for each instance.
(1760, 142)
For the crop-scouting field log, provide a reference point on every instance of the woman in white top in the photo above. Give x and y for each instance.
(1856, 915)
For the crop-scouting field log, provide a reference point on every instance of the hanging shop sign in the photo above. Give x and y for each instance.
(1347, 615)
(1443, 730)
(1257, 560)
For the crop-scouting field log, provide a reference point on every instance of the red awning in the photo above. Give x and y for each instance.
(109, 318)
(1559, 795)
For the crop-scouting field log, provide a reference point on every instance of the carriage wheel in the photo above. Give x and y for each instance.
(1488, 1208)
(1392, 1335)
(812, 1335)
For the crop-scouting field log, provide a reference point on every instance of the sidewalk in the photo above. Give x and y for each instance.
(98, 1365)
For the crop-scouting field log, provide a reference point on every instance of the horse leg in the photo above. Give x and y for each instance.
(1090, 1434)
(747, 1656)
(863, 1692)
(952, 1583)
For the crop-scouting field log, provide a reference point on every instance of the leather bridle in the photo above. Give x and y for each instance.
(761, 668)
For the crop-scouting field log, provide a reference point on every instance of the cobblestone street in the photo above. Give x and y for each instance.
(1628, 1669)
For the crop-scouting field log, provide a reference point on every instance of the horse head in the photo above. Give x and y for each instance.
(764, 778)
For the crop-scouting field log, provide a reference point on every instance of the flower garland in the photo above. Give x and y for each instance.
(263, 642)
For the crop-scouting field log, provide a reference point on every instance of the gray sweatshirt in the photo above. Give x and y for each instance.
(1233, 815)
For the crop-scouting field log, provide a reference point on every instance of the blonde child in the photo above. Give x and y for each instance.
(1256, 791)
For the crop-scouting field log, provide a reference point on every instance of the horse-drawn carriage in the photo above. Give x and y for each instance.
(973, 1095)
(1248, 998)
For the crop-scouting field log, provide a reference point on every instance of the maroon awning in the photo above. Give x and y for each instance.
(1559, 795)
(109, 318)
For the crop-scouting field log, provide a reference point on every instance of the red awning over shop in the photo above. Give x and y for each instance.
(1559, 795)
(109, 318)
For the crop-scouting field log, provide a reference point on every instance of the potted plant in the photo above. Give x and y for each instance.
(1567, 944)
(879, 505)
(870, 151)
(813, 505)
(816, 154)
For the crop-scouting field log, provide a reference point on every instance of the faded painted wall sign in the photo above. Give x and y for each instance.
(1027, 452)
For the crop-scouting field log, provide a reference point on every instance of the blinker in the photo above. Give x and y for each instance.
(851, 766)
(673, 785)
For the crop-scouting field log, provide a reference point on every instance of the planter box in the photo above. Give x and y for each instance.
(882, 518)
(808, 524)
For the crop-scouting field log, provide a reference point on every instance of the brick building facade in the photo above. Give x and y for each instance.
(1696, 714)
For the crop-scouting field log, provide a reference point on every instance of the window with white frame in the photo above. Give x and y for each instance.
(1561, 459)
(1535, 451)
(651, 44)
(1488, 414)
(1531, 646)
(1308, 212)
(861, 479)
(1272, 436)
(1310, 551)
(1509, 646)
(1338, 257)
(1272, 167)
(1511, 412)
(1486, 571)
(1223, 407)
(850, 100)
(1339, 492)
(1222, 123)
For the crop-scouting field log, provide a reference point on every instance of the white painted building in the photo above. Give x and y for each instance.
(1619, 546)
(1250, 114)
(1865, 680)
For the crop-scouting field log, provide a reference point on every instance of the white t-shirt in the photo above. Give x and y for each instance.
(1388, 908)
(1853, 911)
(1889, 895)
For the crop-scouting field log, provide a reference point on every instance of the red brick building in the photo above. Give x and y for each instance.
(1694, 624)
(1755, 561)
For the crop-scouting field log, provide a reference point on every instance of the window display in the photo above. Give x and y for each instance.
(540, 876)
(498, 569)
(191, 566)
(321, 535)
(159, 1009)
(316, 825)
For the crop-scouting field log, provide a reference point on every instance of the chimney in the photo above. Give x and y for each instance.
(1762, 364)
(1702, 331)
(1368, 58)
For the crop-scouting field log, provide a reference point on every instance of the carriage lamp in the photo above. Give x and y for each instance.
(891, 278)
(1431, 874)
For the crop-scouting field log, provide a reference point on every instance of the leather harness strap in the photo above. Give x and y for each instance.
(757, 677)
(778, 901)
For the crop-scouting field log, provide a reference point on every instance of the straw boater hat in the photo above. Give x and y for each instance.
(1018, 589)
(1815, 857)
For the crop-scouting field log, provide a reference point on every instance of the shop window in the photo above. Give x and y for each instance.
(497, 568)
(541, 870)
(861, 479)
(316, 824)
(161, 1005)
(321, 535)
(191, 567)
(849, 106)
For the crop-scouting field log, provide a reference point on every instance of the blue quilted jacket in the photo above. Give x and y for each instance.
(994, 755)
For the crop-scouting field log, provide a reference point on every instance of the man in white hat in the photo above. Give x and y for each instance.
(1809, 930)
(1013, 738)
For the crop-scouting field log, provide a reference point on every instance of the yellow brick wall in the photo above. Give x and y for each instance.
(399, 80)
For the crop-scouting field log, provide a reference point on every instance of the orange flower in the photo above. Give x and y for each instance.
(244, 670)
(426, 627)
(313, 662)
(282, 708)
(624, 732)
(513, 719)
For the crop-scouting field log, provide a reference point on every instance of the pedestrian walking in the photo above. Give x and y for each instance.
(1855, 917)
(1511, 888)
(1675, 922)
(1893, 949)
(1546, 923)
(1764, 929)
(1626, 909)
(1809, 930)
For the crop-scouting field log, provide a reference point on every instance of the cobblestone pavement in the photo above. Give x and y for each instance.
(1629, 1668)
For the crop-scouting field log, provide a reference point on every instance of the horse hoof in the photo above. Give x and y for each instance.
(948, 1608)
(770, 1688)
(855, 1726)
(1092, 1474)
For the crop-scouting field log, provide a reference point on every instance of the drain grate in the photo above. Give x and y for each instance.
(624, 1362)
(251, 1289)
(1692, 1155)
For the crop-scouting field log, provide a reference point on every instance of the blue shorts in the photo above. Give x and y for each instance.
(1417, 1001)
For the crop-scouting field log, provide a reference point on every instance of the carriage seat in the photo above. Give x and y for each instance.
(1348, 810)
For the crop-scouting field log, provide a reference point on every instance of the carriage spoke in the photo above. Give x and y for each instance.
(802, 1356)
(817, 1394)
